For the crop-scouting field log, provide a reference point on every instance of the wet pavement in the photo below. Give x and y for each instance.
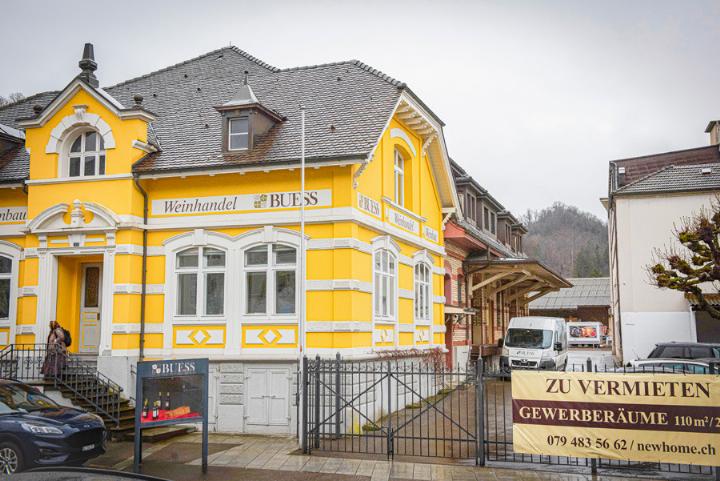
(246, 457)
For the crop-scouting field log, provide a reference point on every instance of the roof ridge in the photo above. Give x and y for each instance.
(232, 48)
(378, 73)
(26, 99)
(665, 153)
(695, 166)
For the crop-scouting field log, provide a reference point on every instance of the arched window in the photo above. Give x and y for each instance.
(5, 286)
(423, 292)
(87, 155)
(200, 275)
(270, 280)
(385, 274)
(399, 173)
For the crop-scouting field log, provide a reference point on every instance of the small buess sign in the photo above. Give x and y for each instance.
(650, 417)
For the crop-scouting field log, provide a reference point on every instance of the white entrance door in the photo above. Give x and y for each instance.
(89, 332)
(268, 393)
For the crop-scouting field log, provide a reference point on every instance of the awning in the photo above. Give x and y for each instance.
(526, 277)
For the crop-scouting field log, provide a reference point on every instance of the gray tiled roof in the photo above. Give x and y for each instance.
(585, 291)
(677, 178)
(347, 107)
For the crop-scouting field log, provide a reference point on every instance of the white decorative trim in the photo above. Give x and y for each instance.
(339, 285)
(72, 123)
(29, 253)
(437, 329)
(438, 270)
(98, 94)
(339, 243)
(406, 328)
(71, 180)
(144, 146)
(25, 329)
(406, 294)
(338, 326)
(28, 291)
(134, 328)
(137, 288)
(401, 134)
(403, 210)
(132, 249)
(439, 299)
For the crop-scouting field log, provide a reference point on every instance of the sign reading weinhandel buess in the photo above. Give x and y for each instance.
(639, 417)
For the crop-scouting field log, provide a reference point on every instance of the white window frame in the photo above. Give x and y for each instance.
(230, 134)
(271, 268)
(422, 291)
(82, 154)
(399, 178)
(12, 252)
(471, 206)
(385, 285)
(201, 272)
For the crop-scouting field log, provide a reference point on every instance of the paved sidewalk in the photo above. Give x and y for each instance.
(276, 458)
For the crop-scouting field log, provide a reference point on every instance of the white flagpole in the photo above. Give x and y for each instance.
(301, 310)
(301, 337)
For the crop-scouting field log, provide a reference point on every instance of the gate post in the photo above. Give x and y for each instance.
(318, 400)
(593, 461)
(337, 395)
(479, 414)
(304, 401)
(390, 450)
(714, 370)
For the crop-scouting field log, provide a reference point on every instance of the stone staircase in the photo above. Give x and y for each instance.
(80, 382)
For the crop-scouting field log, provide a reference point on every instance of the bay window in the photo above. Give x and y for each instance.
(270, 279)
(385, 273)
(422, 292)
(200, 275)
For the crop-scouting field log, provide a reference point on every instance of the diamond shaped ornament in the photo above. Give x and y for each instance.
(199, 336)
(269, 337)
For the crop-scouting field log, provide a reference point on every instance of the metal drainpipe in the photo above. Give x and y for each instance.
(143, 289)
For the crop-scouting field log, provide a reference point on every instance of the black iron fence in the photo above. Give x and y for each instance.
(389, 408)
(409, 408)
(37, 364)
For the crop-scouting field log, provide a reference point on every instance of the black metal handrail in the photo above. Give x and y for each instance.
(33, 363)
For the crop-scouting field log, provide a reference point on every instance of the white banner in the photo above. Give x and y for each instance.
(233, 203)
(401, 220)
(366, 204)
(431, 234)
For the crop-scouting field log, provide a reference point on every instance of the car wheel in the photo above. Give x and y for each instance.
(11, 459)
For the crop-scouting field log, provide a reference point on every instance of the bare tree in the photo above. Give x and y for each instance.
(698, 263)
(10, 99)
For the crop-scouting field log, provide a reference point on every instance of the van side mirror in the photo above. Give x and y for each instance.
(558, 346)
(500, 342)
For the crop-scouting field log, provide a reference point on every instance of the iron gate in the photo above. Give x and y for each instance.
(390, 408)
(414, 408)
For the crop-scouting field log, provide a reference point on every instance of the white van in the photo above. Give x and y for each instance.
(535, 343)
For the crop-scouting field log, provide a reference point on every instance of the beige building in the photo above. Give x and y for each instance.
(648, 196)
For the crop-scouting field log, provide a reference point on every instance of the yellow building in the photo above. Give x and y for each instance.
(193, 172)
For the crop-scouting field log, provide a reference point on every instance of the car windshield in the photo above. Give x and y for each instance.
(19, 398)
(674, 366)
(529, 338)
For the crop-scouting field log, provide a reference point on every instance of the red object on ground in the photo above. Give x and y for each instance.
(163, 415)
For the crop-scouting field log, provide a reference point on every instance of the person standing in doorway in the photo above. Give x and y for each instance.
(56, 350)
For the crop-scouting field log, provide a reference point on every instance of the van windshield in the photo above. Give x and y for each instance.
(529, 338)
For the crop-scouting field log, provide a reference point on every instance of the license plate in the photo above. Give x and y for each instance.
(88, 447)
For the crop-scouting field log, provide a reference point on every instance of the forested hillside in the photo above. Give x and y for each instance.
(569, 241)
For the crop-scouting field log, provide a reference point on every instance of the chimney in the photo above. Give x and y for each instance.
(88, 66)
(713, 128)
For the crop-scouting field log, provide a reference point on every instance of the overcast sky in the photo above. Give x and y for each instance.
(537, 96)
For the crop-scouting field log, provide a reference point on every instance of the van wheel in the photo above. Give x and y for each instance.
(11, 458)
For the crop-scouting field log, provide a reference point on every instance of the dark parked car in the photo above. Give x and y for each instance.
(36, 431)
(685, 350)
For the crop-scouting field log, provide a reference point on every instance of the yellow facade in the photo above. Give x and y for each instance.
(71, 223)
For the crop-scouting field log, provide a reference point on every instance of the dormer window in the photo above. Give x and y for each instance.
(238, 133)
(87, 155)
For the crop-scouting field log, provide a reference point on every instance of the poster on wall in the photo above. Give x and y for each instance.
(584, 332)
(646, 417)
(171, 392)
